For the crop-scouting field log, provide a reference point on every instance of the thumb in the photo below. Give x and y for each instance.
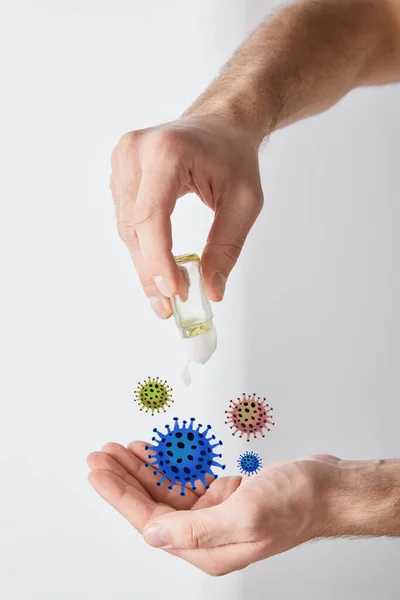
(191, 529)
(232, 223)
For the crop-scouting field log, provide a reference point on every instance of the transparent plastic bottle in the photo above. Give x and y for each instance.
(192, 311)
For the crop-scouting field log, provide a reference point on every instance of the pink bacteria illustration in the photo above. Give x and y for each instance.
(250, 416)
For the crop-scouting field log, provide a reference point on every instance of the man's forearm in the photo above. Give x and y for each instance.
(365, 500)
(303, 60)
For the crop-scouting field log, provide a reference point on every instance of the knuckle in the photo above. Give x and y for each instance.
(166, 151)
(249, 199)
(168, 146)
(192, 534)
(126, 232)
(111, 185)
(165, 140)
(225, 254)
(111, 447)
(126, 144)
(188, 536)
(148, 286)
(258, 202)
(143, 215)
(230, 252)
(129, 140)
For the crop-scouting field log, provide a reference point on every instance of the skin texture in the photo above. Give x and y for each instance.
(153, 167)
(296, 64)
(238, 521)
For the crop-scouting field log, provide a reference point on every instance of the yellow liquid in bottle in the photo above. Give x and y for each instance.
(191, 329)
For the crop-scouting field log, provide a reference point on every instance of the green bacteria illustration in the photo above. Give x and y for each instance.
(153, 395)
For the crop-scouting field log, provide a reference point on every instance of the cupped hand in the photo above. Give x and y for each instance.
(234, 523)
(152, 168)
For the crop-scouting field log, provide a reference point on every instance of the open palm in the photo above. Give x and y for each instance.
(120, 477)
(225, 527)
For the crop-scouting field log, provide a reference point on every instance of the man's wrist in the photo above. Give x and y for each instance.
(224, 112)
(364, 499)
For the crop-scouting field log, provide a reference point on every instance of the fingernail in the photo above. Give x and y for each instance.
(156, 536)
(163, 285)
(219, 283)
(158, 307)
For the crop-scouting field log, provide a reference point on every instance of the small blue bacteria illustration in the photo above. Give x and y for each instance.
(249, 463)
(184, 454)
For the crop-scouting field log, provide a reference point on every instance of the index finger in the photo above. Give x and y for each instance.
(158, 191)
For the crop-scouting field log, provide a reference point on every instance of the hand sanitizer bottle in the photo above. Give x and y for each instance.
(192, 312)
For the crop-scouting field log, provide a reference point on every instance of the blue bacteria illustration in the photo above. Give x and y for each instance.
(249, 463)
(184, 454)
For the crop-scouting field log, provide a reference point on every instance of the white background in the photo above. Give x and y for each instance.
(311, 317)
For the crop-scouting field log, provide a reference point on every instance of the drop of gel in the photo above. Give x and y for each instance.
(185, 376)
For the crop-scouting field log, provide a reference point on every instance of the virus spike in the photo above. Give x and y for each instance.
(185, 447)
(204, 481)
(153, 395)
(157, 432)
(163, 478)
(216, 444)
(250, 416)
(249, 463)
(214, 463)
